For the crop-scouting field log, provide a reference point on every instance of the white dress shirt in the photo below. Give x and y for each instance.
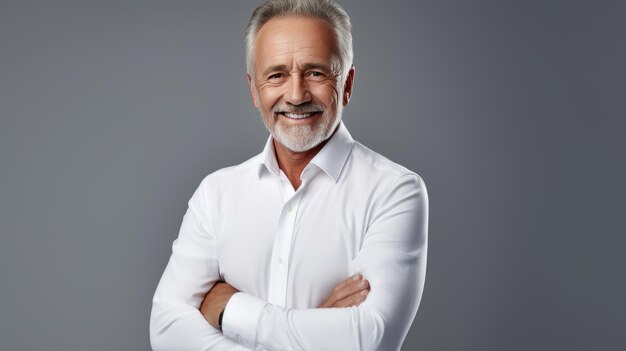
(285, 250)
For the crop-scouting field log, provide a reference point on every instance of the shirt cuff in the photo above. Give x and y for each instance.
(240, 319)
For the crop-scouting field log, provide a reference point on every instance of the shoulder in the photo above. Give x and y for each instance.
(383, 180)
(223, 179)
(370, 163)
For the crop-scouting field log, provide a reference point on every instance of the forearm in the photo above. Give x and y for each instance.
(176, 322)
(179, 327)
(354, 328)
(379, 323)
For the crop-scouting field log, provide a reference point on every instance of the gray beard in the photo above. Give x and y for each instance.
(299, 138)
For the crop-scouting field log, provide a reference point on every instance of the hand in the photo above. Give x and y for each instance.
(350, 292)
(215, 301)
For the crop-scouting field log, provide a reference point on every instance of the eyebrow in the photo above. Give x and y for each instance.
(306, 66)
(274, 68)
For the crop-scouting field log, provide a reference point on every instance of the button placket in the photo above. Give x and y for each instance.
(281, 250)
(283, 243)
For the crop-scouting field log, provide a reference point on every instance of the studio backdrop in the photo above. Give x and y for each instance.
(112, 112)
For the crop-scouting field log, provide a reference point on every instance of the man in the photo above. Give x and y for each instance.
(317, 243)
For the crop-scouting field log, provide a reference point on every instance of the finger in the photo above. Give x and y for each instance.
(353, 300)
(351, 289)
(346, 282)
(343, 290)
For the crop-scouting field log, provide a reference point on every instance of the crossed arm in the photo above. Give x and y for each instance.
(350, 292)
(392, 258)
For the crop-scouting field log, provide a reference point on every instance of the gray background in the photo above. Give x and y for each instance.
(111, 113)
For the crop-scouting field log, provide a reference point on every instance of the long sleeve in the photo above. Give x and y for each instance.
(176, 322)
(392, 257)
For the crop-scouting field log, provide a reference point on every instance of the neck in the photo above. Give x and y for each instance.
(293, 163)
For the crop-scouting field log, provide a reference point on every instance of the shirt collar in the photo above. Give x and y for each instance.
(331, 158)
(268, 159)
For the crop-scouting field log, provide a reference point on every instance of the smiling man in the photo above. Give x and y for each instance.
(317, 243)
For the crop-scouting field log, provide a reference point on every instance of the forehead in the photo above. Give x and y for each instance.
(297, 38)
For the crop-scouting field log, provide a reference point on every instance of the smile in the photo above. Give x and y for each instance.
(298, 115)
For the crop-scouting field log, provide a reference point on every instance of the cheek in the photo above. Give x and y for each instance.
(268, 98)
(326, 94)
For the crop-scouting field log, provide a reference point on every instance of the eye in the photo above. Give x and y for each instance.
(315, 75)
(275, 76)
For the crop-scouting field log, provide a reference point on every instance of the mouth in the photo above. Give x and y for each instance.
(298, 116)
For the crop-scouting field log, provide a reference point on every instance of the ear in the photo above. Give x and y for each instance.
(347, 88)
(255, 97)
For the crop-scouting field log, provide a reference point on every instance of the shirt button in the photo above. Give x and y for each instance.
(289, 208)
(280, 261)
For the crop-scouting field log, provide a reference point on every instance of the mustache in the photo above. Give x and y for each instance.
(306, 107)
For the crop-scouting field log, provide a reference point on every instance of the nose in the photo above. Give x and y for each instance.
(297, 91)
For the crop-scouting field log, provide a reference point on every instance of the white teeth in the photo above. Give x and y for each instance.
(298, 116)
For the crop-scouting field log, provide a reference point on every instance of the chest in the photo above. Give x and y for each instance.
(290, 249)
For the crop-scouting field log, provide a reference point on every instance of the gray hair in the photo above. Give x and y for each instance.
(327, 10)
